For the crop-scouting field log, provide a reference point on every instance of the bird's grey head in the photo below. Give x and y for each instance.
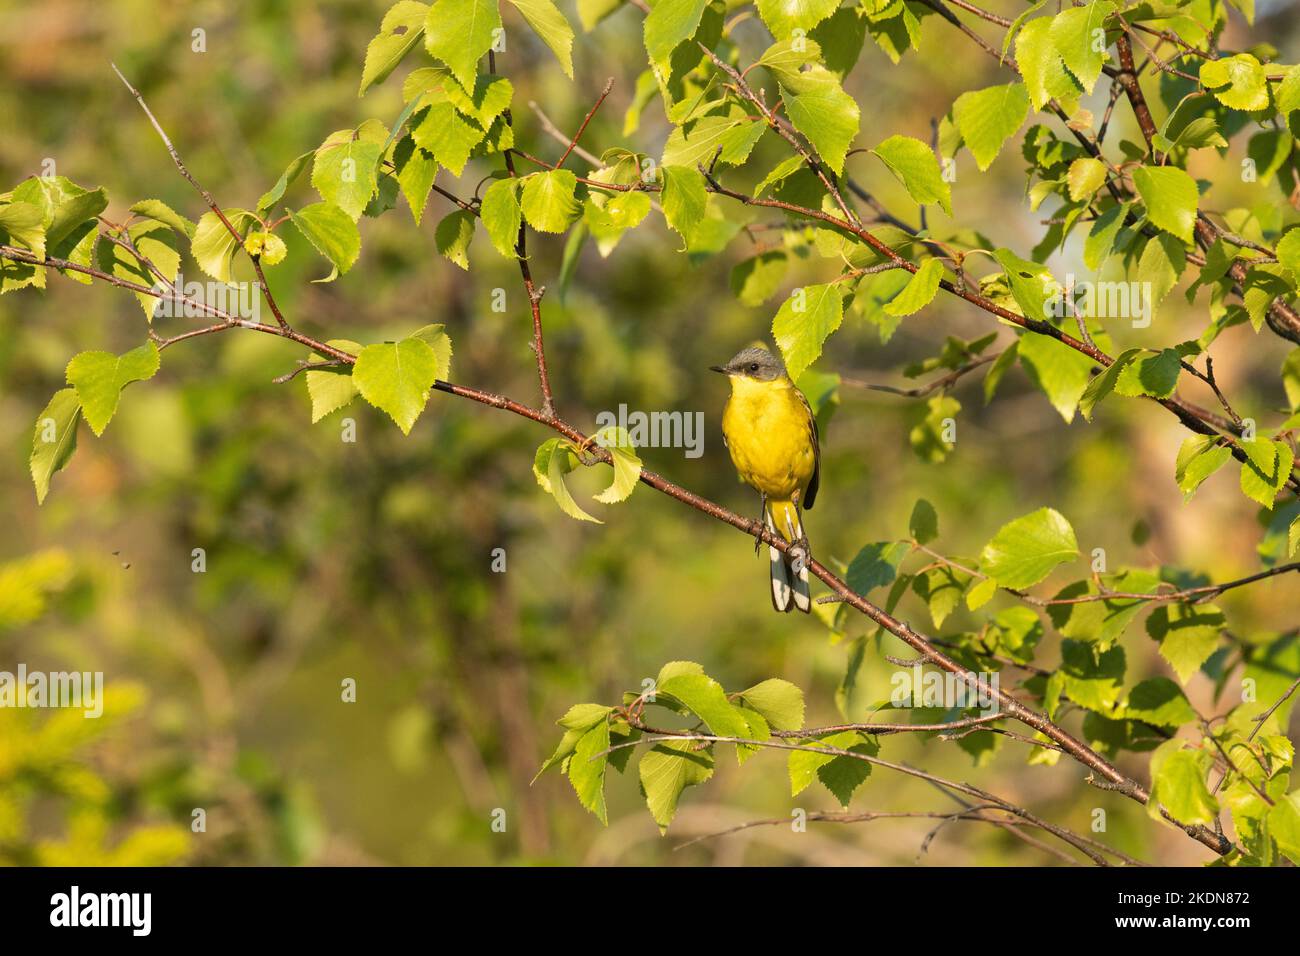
(756, 363)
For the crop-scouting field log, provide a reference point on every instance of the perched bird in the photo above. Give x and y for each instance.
(771, 433)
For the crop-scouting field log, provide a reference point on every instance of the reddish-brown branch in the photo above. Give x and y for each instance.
(207, 197)
(770, 117)
(609, 85)
(1085, 846)
(1128, 78)
(530, 287)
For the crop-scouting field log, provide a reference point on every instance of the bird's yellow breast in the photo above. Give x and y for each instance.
(769, 435)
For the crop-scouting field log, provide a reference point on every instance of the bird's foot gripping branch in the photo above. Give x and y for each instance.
(761, 123)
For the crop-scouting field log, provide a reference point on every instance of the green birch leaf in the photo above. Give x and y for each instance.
(396, 378)
(416, 171)
(287, 179)
(502, 215)
(875, 566)
(919, 292)
(401, 29)
(99, 378)
(556, 458)
(213, 247)
(1062, 373)
(779, 701)
(446, 135)
(1171, 198)
(669, 24)
(438, 339)
(981, 593)
(1163, 260)
(331, 388)
(582, 717)
(1104, 383)
(1288, 253)
(782, 171)
(548, 201)
(705, 698)
(1025, 551)
(459, 33)
(896, 29)
(1188, 635)
(1041, 65)
(490, 98)
(1092, 677)
(669, 769)
(840, 37)
(843, 775)
(1198, 458)
(917, 168)
(1032, 285)
(988, 118)
(999, 369)
(930, 439)
(1160, 702)
(941, 589)
(1284, 825)
(1085, 177)
(1101, 622)
(684, 199)
(923, 526)
(1266, 471)
(1263, 284)
(1080, 37)
(819, 108)
(790, 56)
(158, 243)
(804, 322)
(552, 27)
(346, 174)
(587, 770)
(332, 232)
(626, 464)
(840, 775)
(24, 222)
(1154, 375)
(152, 208)
(756, 279)
(783, 17)
(592, 12)
(608, 217)
(54, 439)
(1238, 82)
(1178, 776)
(697, 141)
(453, 236)
(1100, 243)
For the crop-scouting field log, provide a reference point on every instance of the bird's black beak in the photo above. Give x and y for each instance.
(717, 368)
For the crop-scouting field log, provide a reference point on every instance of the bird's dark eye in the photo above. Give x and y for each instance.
(753, 366)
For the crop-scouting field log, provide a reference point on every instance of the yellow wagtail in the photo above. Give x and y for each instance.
(770, 431)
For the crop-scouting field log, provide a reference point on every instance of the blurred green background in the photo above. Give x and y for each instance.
(371, 561)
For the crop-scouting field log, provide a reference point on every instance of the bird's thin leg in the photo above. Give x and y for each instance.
(762, 517)
(803, 535)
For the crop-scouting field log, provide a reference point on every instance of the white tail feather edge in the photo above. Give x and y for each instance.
(780, 576)
(788, 587)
